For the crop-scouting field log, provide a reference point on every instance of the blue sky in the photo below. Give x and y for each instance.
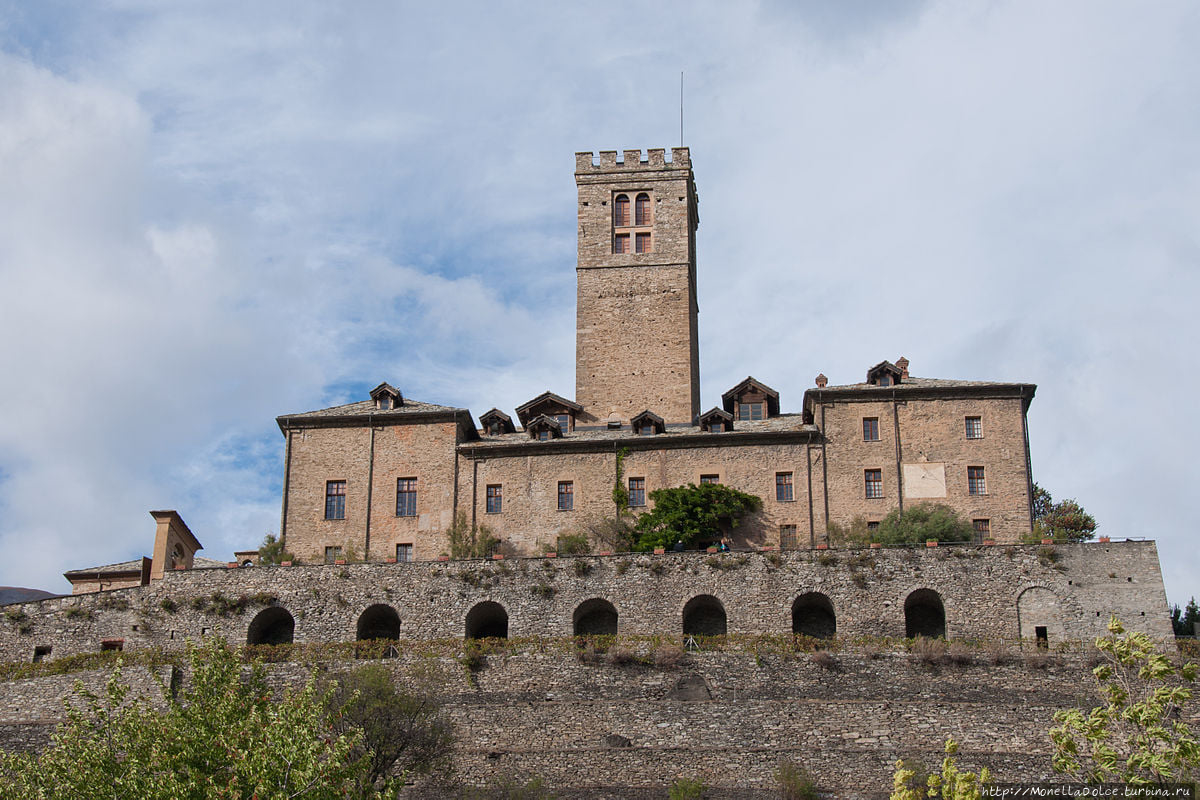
(213, 213)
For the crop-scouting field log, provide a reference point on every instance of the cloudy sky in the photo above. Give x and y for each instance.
(212, 213)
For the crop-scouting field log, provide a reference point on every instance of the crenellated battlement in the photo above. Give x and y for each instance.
(655, 158)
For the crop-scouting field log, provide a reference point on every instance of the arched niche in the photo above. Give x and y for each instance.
(704, 615)
(812, 615)
(271, 626)
(487, 620)
(379, 621)
(595, 617)
(924, 614)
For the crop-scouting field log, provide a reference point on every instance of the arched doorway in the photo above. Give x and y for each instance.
(812, 615)
(704, 616)
(924, 614)
(271, 626)
(595, 617)
(379, 621)
(487, 620)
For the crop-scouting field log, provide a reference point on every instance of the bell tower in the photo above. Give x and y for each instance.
(635, 334)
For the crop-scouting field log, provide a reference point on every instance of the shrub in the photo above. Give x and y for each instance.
(855, 534)
(669, 656)
(620, 656)
(542, 590)
(582, 568)
(826, 660)
(794, 782)
(470, 541)
(687, 788)
(928, 652)
(168, 605)
(826, 558)
(691, 514)
(923, 522)
(574, 544)
(774, 559)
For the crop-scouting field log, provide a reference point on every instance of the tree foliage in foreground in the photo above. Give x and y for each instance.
(226, 736)
(1183, 620)
(950, 784)
(922, 522)
(692, 514)
(271, 551)
(1064, 521)
(1138, 736)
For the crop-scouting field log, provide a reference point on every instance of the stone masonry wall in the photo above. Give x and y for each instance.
(982, 588)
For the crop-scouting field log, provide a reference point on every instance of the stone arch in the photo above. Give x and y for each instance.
(924, 614)
(487, 620)
(704, 615)
(1040, 615)
(379, 621)
(272, 625)
(812, 615)
(595, 617)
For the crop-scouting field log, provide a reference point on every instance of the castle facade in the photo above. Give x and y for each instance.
(385, 477)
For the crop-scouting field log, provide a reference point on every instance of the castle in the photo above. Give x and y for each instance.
(383, 478)
(386, 476)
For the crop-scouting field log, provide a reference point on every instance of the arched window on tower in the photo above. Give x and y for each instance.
(621, 211)
(641, 211)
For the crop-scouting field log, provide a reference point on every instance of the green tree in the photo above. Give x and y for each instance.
(922, 522)
(1137, 736)
(1065, 521)
(1184, 620)
(470, 541)
(692, 513)
(400, 729)
(950, 784)
(225, 736)
(271, 551)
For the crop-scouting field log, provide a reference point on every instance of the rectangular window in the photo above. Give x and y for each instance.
(717, 427)
(709, 479)
(874, 481)
(870, 429)
(406, 497)
(495, 498)
(403, 553)
(543, 435)
(783, 487)
(335, 499)
(982, 528)
(107, 645)
(641, 210)
(976, 484)
(974, 427)
(637, 492)
(872, 526)
(566, 495)
(787, 537)
(642, 242)
(40, 652)
(333, 554)
(621, 243)
(750, 410)
(564, 421)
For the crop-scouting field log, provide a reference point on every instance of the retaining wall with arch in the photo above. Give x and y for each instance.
(984, 592)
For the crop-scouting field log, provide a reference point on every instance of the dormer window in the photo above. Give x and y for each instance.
(544, 428)
(751, 400)
(387, 397)
(648, 423)
(560, 409)
(885, 373)
(496, 422)
(716, 421)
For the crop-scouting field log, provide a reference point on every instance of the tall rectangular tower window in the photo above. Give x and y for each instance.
(874, 483)
(642, 242)
(406, 497)
(783, 487)
(976, 484)
(566, 495)
(495, 498)
(870, 429)
(974, 427)
(335, 499)
(637, 492)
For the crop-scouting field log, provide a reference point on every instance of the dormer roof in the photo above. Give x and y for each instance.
(385, 389)
(884, 368)
(544, 422)
(715, 414)
(546, 403)
(648, 417)
(496, 417)
(752, 390)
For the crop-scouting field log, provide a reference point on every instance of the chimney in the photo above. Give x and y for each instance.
(821, 381)
(902, 363)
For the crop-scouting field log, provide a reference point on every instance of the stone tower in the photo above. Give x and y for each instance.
(635, 340)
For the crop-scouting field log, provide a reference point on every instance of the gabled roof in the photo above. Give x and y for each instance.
(714, 414)
(884, 366)
(650, 417)
(497, 416)
(386, 388)
(131, 568)
(535, 406)
(752, 385)
(545, 423)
